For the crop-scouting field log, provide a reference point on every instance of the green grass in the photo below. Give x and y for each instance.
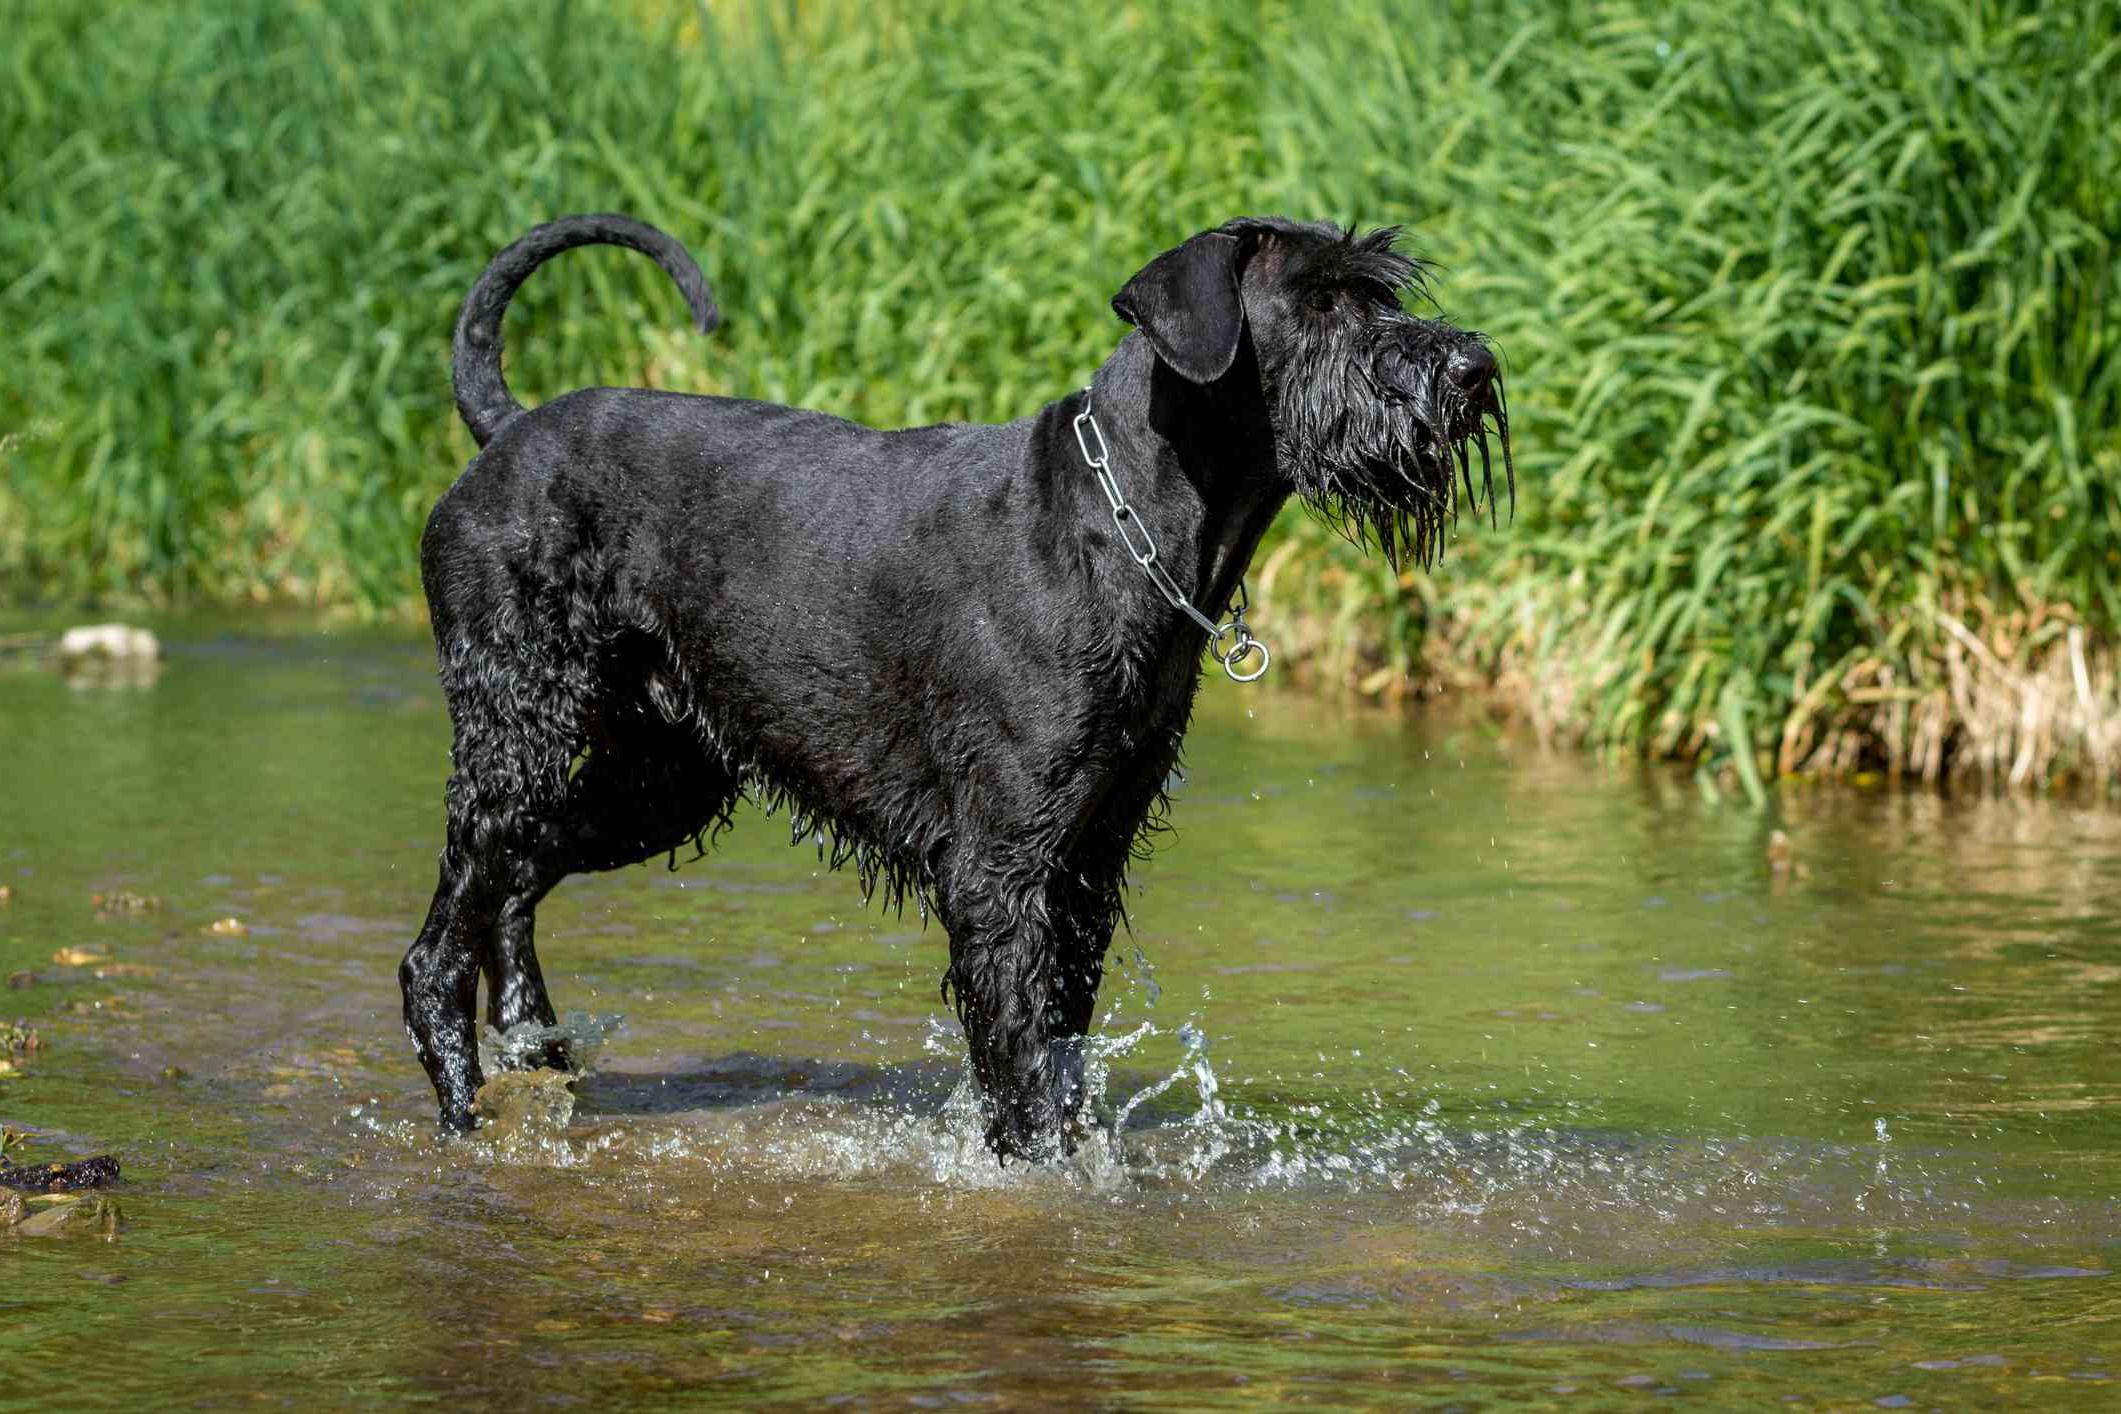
(1806, 308)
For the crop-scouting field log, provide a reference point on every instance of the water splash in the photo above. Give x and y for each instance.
(1209, 1123)
(1144, 973)
(1156, 1123)
(524, 1045)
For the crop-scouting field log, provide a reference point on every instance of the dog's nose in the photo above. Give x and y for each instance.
(1470, 367)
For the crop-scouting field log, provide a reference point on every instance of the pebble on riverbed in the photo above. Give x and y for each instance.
(123, 901)
(109, 655)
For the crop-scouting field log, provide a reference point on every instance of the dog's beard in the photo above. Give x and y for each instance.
(1381, 449)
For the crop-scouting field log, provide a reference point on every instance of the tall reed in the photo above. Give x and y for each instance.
(1806, 309)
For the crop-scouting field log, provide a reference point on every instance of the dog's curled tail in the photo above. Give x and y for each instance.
(483, 398)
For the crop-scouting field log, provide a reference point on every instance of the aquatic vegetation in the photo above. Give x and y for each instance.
(18, 1042)
(1807, 312)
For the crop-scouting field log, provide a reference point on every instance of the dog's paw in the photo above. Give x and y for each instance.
(1014, 1145)
(1032, 1133)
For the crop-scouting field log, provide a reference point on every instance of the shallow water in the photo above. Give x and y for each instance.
(1488, 1076)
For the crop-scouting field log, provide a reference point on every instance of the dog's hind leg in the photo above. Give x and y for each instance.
(515, 986)
(511, 753)
(440, 979)
(635, 797)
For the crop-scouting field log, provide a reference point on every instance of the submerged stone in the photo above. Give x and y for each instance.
(108, 641)
(98, 1217)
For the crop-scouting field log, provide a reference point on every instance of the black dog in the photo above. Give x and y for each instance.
(963, 655)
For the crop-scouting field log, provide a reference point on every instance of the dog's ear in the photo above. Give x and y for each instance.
(1186, 303)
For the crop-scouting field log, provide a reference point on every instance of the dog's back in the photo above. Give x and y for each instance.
(637, 547)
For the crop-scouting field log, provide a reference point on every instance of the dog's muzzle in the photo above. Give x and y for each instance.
(1470, 370)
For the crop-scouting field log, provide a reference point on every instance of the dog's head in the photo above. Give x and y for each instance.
(1376, 414)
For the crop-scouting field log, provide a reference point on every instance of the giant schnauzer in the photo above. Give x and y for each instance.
(962, 656)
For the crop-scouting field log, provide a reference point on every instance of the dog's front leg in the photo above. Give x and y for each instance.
(1085, 907)
(1002, 966)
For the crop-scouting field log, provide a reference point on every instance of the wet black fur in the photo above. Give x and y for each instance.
(927, 646)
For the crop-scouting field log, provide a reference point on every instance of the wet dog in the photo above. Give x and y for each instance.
(961, 656)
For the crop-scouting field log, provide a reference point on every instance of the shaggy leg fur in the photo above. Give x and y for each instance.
(1026, 957)
(515, 737)
(1003, 962)
(1084, 907)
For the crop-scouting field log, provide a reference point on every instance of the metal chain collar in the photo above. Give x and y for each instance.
(1134, 534)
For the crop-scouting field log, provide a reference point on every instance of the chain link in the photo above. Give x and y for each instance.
(1141, 547)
